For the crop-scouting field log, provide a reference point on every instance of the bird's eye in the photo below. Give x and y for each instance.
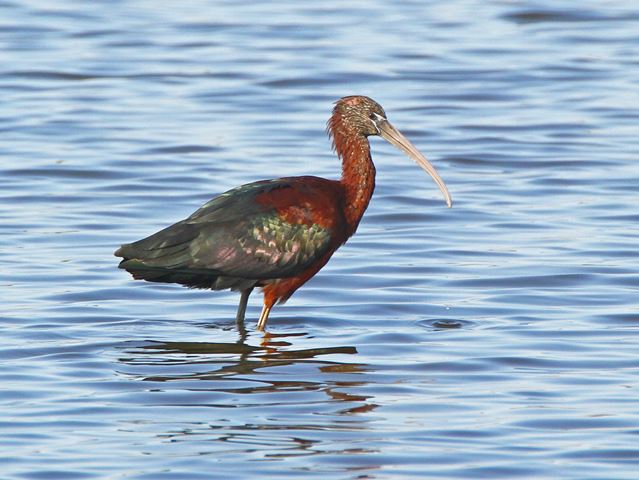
(376, 117)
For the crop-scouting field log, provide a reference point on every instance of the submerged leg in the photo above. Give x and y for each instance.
(241, 309)
(261, 323)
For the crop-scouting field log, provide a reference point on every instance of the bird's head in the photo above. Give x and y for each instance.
(357, 116)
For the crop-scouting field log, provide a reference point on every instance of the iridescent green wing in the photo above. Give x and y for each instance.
(235, 235)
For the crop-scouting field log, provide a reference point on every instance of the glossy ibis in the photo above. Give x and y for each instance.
(275, 234)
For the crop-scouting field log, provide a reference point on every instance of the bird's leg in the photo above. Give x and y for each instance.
(261, 323)
(241, 309)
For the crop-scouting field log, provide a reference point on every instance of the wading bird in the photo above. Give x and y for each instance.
(275, 234)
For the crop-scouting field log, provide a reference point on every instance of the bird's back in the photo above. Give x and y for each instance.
(245, 237)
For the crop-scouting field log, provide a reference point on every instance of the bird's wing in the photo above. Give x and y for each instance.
(243, 233)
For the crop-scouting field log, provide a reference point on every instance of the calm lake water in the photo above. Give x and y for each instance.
(496, 339)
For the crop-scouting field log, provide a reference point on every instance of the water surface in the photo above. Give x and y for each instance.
(497, 339)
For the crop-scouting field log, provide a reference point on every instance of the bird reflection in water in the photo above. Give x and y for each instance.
(270, 398)
(228, 360)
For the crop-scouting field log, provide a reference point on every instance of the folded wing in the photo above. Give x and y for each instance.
(233, 241)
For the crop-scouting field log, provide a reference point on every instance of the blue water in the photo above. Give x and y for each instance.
(497, 339)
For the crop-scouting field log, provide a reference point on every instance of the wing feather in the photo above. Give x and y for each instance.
(232, 237)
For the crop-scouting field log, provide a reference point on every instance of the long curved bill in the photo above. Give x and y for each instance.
(392, 135)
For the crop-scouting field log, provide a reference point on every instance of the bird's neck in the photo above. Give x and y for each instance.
(358, 176)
